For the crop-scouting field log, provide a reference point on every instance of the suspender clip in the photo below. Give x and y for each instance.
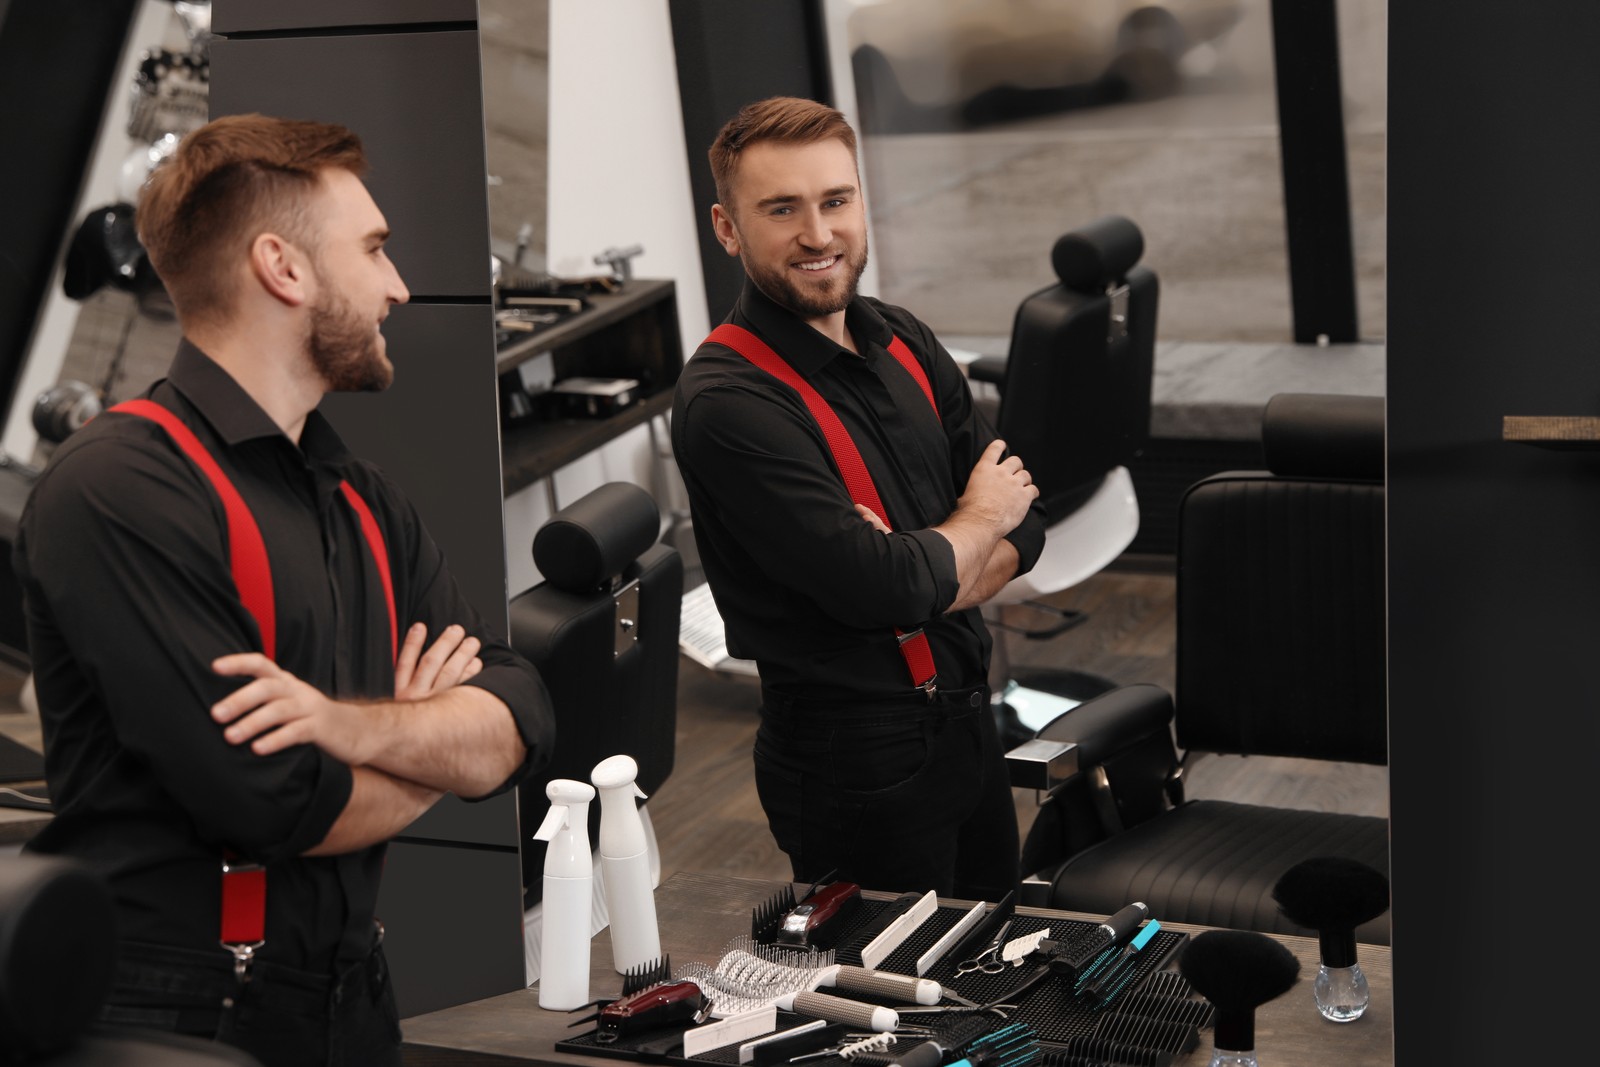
(243, 956)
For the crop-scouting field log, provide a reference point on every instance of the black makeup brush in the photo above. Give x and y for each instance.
(1333, 895)
(1237, 971)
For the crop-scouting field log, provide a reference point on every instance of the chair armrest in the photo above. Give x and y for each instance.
(1089, 734)
(991, 369)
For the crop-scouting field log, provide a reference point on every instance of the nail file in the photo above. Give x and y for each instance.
(879, 948)
(936, 953)
(743, 1027)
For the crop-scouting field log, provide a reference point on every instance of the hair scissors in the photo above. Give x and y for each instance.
(988, 961)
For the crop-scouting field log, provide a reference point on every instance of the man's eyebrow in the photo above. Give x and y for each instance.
(791, 198)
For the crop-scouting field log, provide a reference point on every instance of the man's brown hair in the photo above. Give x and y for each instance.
(229, 181)
(784, 119)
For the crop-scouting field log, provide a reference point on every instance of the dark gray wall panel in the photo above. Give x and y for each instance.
(452, 922)
(1494, 569)
(252, 16)
(486, 822)
(437, 431)
(416, 100)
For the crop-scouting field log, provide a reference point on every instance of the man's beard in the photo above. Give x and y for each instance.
(809, 302)
(344, 349)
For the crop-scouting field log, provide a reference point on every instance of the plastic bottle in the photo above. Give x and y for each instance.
(568, 896)
(625, 864)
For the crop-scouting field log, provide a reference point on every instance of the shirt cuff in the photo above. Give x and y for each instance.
(523, 691)
(329, 796)
(940, 555)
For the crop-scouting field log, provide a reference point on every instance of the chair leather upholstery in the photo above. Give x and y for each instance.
(1214, 863)
(1281, 651)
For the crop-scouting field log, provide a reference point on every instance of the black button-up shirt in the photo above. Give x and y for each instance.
(805, 586)
(122, 555)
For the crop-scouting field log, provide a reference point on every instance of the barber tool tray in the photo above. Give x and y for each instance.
(593, 397)
(1147, 1016)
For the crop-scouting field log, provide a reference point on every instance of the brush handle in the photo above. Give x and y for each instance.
(840, 1010)
(887, 984)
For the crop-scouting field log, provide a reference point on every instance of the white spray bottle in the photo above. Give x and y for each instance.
(568, 896)
(625, 865)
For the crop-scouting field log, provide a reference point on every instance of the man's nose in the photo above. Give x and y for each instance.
(816, 232)
(398, 293)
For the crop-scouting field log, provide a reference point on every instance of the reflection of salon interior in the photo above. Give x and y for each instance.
(1213, 178)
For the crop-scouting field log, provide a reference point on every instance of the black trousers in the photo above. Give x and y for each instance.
(281, 1016)
(903, 798)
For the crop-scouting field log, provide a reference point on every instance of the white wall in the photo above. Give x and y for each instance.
(155, 24)
(619, 175)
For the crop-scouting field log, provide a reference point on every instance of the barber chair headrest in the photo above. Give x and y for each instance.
(1098, 254)
(1324, 435)
(590, 541)
(57, 929)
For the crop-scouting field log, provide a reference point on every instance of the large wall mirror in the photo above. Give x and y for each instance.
(514, 38)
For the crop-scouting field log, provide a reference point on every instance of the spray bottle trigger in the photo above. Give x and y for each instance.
(555, 820)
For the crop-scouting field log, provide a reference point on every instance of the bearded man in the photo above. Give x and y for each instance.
(852, 510)
(252, 664)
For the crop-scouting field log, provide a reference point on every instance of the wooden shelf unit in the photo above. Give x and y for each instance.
(631, 333)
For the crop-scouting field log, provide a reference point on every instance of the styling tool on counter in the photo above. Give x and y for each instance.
(744, 956)
(568, 896)
(1237, 971)
(658, 1006)
(890, 928)
(625, 864)
(749, 1050)
(798, 1041)
(951, 936)
(988, 959)
(820, 916)
(1015, 1045)
(742, 982)
(983, 931)
(1333, 895)
(1114, 976)
(1079, 958)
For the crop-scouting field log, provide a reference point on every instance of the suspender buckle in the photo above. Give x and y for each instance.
(930, 687)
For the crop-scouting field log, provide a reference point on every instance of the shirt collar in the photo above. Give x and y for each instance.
(234, 414)
(802, 346)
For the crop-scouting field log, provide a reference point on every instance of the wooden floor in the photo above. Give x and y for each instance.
(707, 817)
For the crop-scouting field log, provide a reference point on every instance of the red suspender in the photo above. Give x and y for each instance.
(380, 558)
(244, 885)
(913, 645)
(247, 552)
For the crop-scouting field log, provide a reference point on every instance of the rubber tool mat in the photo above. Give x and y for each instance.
(1152, 1018)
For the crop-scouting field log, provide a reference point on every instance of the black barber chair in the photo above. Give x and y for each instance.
(57, 939)
(1281, 651)
(603, 630)
(1074, 403)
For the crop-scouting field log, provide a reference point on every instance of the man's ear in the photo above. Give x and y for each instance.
(722, 223)
(281, 268)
